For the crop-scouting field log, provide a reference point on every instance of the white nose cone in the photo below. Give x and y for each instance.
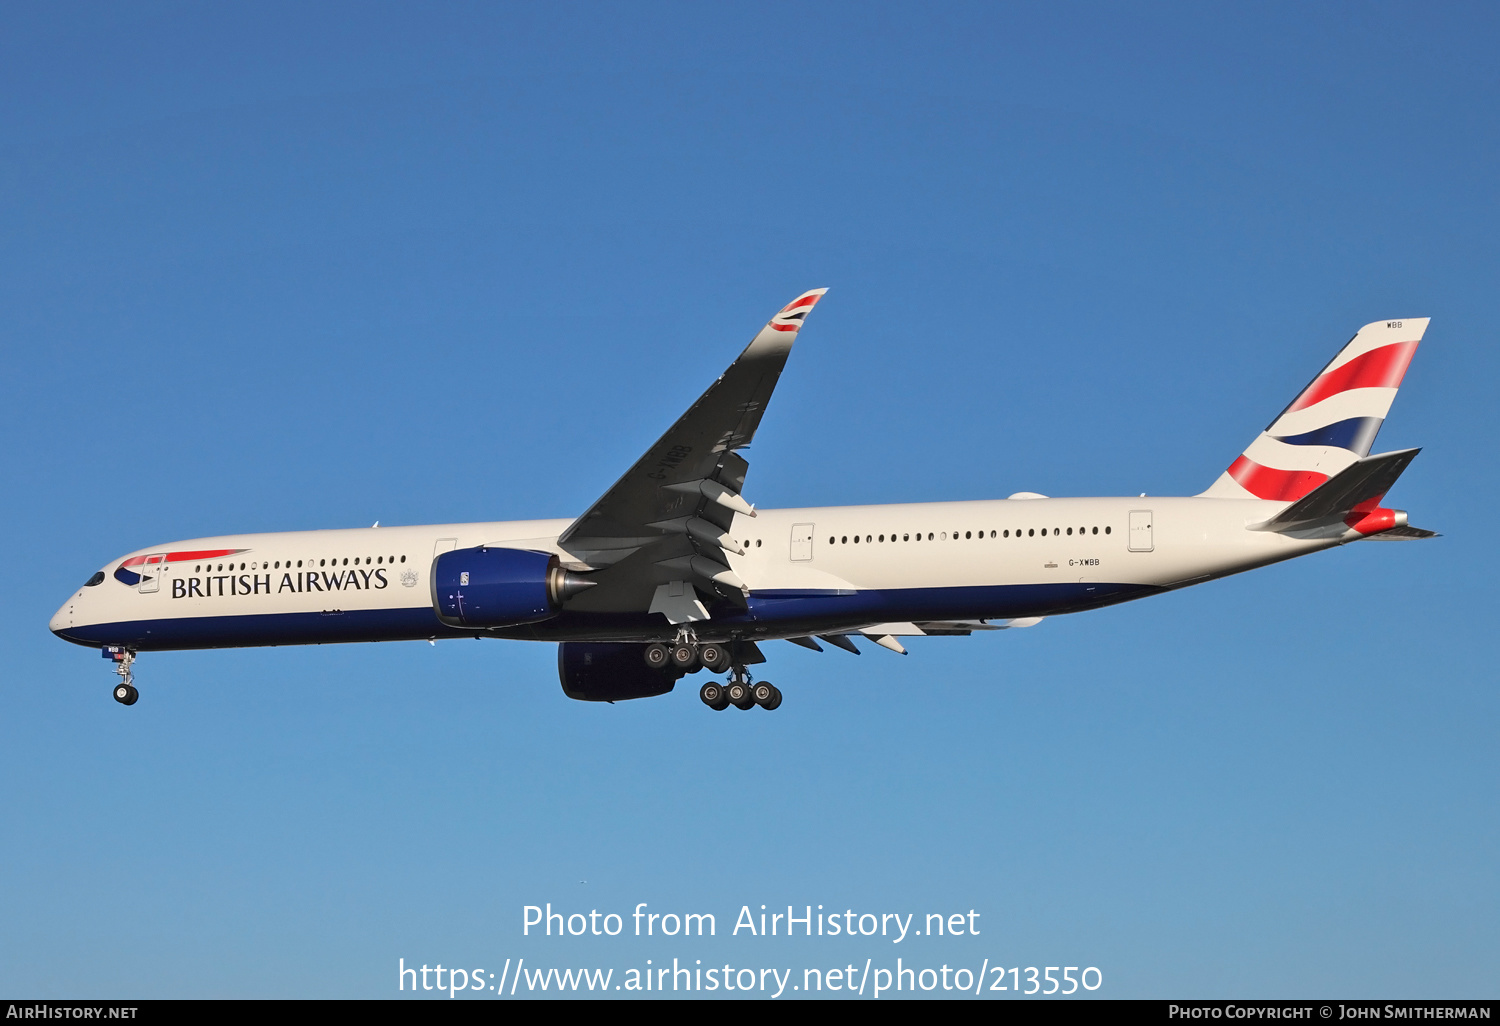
(63, 618)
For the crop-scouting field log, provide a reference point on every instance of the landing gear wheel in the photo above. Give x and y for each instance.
(739, 695)
(657, 656)
(715, 657)
(126, 694)
(767, 696)
(685, 657)
(713, 696)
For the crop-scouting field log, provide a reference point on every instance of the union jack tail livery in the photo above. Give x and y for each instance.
(1333, 421)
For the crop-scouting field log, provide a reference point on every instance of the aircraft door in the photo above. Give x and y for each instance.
(802, 542)
(1140, 531)
(151, 572)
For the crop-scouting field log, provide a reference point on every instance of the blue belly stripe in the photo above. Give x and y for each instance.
(780, 611)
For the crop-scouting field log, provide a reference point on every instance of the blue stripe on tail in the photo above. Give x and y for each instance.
(1356, 434)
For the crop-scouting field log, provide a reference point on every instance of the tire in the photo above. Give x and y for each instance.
(657, 656)
(714, 657)
(739, 695)
(685, 657)
(123, 694)
(775, 700)
(713, 696)
(134, 695)
(762, 693)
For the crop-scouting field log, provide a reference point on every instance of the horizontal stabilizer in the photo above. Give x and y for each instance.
(1363, 483)
(1406, 533)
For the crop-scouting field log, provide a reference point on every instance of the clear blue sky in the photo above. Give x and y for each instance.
(275, 267)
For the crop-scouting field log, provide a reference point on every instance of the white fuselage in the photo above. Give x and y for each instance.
(863, 564)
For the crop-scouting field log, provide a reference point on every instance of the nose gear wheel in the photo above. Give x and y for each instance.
(125, 692)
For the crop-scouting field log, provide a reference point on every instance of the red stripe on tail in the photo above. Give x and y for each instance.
(1268, 483)
(1379, 368)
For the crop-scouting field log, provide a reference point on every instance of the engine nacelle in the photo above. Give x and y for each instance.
(496, 587)
(609, 672)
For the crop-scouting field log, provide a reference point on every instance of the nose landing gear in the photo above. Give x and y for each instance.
(125, 692)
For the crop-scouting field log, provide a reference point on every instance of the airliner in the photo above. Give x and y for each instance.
(672, 571)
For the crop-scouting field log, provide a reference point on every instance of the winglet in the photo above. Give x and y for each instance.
(791, 316)
(781, 331)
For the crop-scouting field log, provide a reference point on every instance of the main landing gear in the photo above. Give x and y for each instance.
(687, 655)
(125, 692)
(740, 693)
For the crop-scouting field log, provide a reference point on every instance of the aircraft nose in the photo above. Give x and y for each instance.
(62, 619)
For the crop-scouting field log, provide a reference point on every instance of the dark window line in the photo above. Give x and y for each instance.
(966, 535)
(277, 564)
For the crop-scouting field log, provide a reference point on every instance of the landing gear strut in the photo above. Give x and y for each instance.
(125, 692)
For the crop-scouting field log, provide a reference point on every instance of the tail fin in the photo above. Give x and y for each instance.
(1333, 421)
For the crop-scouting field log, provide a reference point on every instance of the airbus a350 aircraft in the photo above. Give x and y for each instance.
(673, 571)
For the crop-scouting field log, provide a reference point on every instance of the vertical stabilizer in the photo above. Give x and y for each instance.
(1333, 421)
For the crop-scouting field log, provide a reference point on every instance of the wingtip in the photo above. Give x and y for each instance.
(789, 318)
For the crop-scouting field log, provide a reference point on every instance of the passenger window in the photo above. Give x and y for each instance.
(1106, 530)
(906, 537)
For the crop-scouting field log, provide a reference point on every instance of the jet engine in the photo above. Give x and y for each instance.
(498, 587)
(609, 672)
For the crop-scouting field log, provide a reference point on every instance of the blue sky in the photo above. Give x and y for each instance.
(278, 267)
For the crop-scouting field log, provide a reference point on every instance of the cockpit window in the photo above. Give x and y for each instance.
(98, 578)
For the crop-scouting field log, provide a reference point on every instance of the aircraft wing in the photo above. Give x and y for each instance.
(665, 519)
